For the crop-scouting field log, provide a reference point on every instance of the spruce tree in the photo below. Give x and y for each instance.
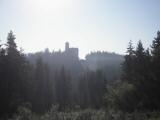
(155, 61)
(128, 64)
(13, 76)
(42, 91)
(63, 88)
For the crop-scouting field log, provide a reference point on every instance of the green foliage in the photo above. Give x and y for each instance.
(122, 96)
(14, 69)
(92, 89)
(42, 87)
(139, 86)
(156, 46)
(23, 113)
(63, 89)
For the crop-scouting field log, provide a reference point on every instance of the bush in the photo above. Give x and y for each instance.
(88, 114)
(122, 96)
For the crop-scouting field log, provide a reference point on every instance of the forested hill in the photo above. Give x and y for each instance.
(109, 63)
(58, 59)
(103, 56)
(100, 60)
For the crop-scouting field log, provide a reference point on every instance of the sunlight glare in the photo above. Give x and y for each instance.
(51, 4)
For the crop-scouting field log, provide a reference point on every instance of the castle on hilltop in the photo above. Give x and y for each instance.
(71, 51)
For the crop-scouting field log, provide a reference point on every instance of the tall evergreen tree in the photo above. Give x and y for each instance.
(11, 45)
(156, 70)
(128, 64)
(4, 97)
(83, 92)
(42, 87)
(139, 64)
(63, 88)
(96, 86)
(156, 47)
(142, 74)
(13, 76)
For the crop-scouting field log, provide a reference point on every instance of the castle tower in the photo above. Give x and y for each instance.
(66, 46)
(71, 51)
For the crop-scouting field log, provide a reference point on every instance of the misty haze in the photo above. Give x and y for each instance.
(79, 60)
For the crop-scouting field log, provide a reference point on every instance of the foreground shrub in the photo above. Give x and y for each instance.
(88, 114)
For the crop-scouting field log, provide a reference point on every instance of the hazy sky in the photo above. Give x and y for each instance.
(89, 25)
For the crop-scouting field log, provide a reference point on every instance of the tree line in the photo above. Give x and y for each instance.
(139, 87)
(38, 87)
(34, 84)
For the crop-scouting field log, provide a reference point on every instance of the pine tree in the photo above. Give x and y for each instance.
(63, 89)
(42, 87)
(4, 96)
(13, 76)
(139, 50)
(130, 49)
(83, 98)
(136, 73)
(11, 45)
(155, 61)
(139, 66)
(156, 47)
(128, 64)
(97, 85)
